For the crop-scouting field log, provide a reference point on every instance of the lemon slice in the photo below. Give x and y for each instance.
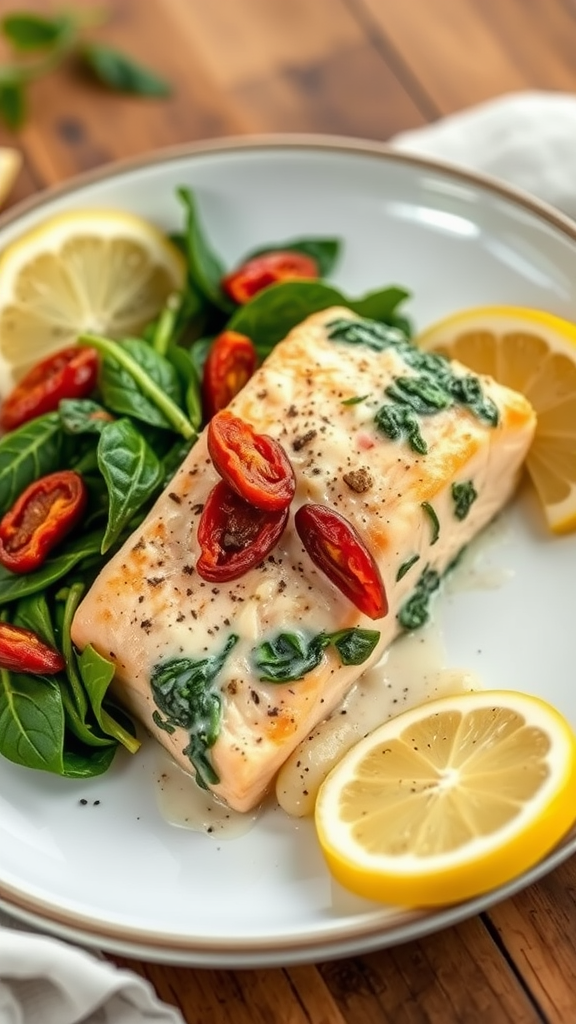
(535, 353)
(98, 271)
(450, 799)
(10, 164)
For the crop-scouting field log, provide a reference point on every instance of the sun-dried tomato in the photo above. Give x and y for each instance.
(257, 273)
(40, 518)
(234, 536)
(337, 549)
(21, 650)
(231, 362)
(254, 465)
(70, 373)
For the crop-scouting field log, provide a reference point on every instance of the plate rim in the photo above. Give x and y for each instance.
(347, 939)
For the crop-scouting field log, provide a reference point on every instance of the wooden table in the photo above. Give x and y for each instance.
(362, 68)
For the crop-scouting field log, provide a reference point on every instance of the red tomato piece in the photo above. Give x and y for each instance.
(70, 373)
(230, 363)
(21, 650)
(254, 465)
(40, 518)
(234, 536)
(251, 277)
(337, 550)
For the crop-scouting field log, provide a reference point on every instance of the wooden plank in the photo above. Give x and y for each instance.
(75, 124)
(302, 66)
(273, 996)
(538, 929)
(458, 975)
(450, 47)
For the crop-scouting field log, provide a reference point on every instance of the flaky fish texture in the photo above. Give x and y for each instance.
(319, 394)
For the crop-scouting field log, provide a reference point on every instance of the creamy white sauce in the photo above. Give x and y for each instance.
(183, 803)
(412, 671)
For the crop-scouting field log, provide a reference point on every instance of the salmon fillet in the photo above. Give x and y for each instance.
(417, 486)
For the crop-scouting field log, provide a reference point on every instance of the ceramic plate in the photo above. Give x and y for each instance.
(97, 861)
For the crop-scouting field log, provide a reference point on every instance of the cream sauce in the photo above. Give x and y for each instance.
(183, 803)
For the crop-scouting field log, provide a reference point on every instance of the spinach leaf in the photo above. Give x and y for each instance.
(173, 460)
(354, 645)
(183, 691)
(288, 656)
(324, 251)
(198, 352)
(398, 422)
(33, 613)
(415, 611)
(434, 521)
(132, 472)
(382, 305)
(121, 73)
(31, 451)
(464, 496)
(77, 552)
(268, 317)
(204, 267)
(181, 360)
(87, 762)
(136, 393)
(97, 673)
(31, 721)
(28, 31)
(82, 416)
(403, 569)
(13, 103)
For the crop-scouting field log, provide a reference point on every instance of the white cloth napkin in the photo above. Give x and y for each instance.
(46, 981)
(526, 139)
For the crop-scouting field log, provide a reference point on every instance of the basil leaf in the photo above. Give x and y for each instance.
(132, 472)
(288, 656)
(204, 267)
(74, 553)
(97, 673)
(324, 251)
(382, 305)
(354, 645)
(122, 391)
(121, 73)
(28, 31)
(12, 104)
(183, 691)
(31, 451)
(82, 416)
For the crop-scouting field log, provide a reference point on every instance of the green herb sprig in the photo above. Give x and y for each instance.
(41, 44)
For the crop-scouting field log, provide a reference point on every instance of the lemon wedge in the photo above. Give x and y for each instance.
(10, 164)
(96, 271)
(535, 353)
(449, 800)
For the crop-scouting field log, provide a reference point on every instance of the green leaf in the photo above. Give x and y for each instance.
(183, 691)
(382, 305)
(132, 471)
(97, 674)
(288, 657)
(416, 610)
(28, 453)
(181, 359)
(31, 721)
(12, 103)
(121, 73)
(268, 317)
(173, 460)
(33, 613)
(28, 31)
(434, 521)
(137, 381)
(354, 645)
(82, 416)
(324, 251)
(204, 267)
(69, 555)
(464, 495)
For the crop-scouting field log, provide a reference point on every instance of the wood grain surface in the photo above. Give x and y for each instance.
(364, 68)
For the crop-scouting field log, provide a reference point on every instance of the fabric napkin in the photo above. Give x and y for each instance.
(526, 139)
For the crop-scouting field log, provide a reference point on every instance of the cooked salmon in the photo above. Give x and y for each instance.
(418, 454)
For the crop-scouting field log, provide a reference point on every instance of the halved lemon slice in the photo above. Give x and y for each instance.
(450, 799)
(97, 271)
(535, 353)
(10, 164)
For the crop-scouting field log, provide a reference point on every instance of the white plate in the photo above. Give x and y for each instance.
(114, 874)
